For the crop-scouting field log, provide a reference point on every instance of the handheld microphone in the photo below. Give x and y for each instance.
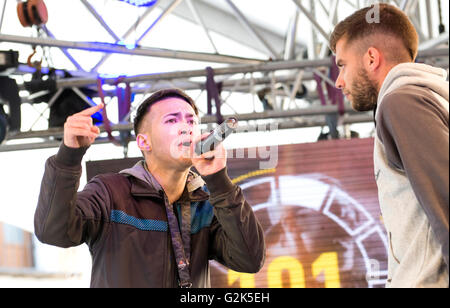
(217, 136)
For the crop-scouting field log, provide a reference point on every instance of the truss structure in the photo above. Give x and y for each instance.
(291, 60)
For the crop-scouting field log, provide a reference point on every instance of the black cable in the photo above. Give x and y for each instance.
(441, 24)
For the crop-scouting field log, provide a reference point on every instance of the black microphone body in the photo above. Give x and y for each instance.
(217, 136)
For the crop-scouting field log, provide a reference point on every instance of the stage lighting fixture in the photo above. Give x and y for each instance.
(9, 59)
(65, 104)
(3, 124)
(140, 2)
(9, 96)
(264, 95)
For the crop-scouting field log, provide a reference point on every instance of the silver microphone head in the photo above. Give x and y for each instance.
(217, 136)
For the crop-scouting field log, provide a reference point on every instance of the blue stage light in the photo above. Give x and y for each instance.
(140, 2)
(129, 46)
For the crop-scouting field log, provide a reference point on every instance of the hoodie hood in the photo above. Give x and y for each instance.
(416, 74)
(141, 172)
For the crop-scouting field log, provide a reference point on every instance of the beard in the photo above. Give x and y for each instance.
(364, 92)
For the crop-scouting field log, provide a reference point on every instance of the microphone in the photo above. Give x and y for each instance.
(217, 136)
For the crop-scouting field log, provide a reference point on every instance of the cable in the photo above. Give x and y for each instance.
(441, 24)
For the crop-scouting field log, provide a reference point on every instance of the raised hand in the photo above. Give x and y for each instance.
(79, 129)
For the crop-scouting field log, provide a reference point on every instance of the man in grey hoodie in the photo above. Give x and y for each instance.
(376, 58)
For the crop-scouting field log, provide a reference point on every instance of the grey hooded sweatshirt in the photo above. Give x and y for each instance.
(411, 160)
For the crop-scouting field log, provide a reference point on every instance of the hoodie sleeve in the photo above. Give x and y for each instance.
(63, 217)
(237, 238)
(413, 127)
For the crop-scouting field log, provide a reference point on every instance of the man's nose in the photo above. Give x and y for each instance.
(339, 82)
(185, 130)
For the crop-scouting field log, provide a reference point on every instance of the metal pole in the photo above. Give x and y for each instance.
(332, 18)
(125, 36)
(114, 48)
(100, 19)
(308, 122)
(264, 67)
(429, 19)
(3, 15)
(236, 69)
(289, 50)
(209, 119)
(432, 43)
(64, 51)
(201, 23)
(404, 5)
(166, 12)
(252, 31)
(313, 20)
(245, 85)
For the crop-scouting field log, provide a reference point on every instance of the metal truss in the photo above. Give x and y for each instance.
(291, 60)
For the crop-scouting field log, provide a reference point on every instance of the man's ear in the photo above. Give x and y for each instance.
(372, 59)
(144, 143)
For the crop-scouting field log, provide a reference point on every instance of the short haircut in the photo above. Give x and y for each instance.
(392, 22)
(158, 96)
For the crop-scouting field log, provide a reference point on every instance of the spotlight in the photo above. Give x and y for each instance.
(43, 89)
(264, 95)
(9, 96)
(67, 104)
(3, 124)
(9, 60)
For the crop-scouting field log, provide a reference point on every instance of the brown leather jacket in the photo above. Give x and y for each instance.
(122, 218)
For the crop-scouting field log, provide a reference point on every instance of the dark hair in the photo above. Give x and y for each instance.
(158, 96)
(392, 21)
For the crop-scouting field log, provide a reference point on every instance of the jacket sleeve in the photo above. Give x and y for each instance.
(64, 217)
(237, 238)
(414, 131)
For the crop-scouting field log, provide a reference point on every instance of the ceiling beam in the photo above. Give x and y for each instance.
(121, 49)
(225, 23)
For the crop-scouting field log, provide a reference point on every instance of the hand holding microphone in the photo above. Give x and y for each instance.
(209, 153)
(217, 136)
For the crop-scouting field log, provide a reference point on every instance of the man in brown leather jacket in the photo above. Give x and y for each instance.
(156, 224)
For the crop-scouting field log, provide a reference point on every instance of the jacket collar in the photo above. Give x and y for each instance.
(144, 184)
